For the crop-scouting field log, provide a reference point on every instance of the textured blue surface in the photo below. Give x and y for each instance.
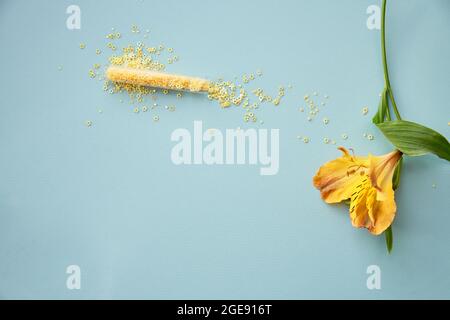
(109, 199)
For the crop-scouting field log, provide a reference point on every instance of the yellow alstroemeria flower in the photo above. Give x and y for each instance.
(367, 182)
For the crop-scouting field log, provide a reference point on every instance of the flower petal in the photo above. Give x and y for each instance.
(338, 178)
(366, 211)
(381, 169)
(381, 213)
(358, 208)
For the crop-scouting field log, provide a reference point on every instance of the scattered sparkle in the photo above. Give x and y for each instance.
(365, 110)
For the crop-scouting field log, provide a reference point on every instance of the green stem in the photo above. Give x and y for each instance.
(385, 66)
(396, 179)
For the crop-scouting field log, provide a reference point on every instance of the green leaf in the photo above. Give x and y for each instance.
(397, 173)
(382, 108)
(414, 139)
(389, 239)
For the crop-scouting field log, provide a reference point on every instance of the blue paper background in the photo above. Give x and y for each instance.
(109, 199)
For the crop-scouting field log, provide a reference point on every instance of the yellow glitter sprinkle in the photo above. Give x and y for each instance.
(111, 46)
(134, 29)
(82, 45)
(137, 71)
(365, 110)
(250, 116)
(98, 51)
